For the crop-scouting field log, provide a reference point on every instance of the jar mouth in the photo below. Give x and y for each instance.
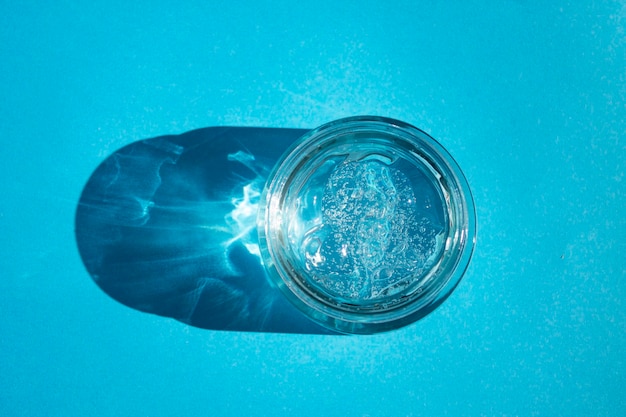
(366, 224)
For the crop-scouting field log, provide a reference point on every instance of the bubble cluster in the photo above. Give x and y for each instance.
(373, 240)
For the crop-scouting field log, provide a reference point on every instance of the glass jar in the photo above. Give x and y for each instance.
(366, 224)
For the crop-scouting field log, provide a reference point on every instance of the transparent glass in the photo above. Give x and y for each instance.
(366, 224)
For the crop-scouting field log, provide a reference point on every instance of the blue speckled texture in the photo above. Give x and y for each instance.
(529, 98)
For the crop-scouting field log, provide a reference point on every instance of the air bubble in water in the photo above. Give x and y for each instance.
(373, 242)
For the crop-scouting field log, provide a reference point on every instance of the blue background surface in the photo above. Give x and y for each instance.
(529, 98)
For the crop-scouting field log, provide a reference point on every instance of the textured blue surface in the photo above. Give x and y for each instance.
(530, 100)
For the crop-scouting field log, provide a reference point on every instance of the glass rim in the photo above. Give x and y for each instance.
(401, 309)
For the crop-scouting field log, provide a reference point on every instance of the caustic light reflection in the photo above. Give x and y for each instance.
(242, 219)
(168, 226)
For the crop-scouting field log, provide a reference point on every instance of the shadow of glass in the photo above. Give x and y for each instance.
(168, 226)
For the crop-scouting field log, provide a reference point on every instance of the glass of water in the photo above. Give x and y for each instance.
(366, 224)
